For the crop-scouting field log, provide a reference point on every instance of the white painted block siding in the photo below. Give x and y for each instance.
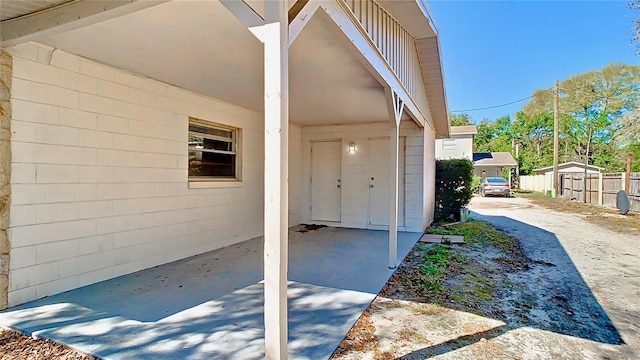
(355, 172)
(295, 174)
(429, 177)
(100, 175)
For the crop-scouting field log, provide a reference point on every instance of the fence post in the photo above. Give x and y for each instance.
(600, 189)
(571, 187)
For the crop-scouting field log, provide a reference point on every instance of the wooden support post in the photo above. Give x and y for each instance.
(276, 124)
(556, 145)
(395, 107)
(393, 195)
(627, 181)
(600, 189)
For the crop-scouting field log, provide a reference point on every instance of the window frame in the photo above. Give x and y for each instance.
(236, 144)
(449, 144)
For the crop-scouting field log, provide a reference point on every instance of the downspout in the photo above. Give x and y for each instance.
(6, 73)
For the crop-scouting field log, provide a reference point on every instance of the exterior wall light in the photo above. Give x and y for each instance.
(352, 147)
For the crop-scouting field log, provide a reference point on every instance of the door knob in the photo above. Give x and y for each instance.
(338, 185)
(371, 186)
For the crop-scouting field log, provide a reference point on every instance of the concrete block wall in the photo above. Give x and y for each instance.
(99, 174)
(355, 171)
(295, 174)
(429, 176)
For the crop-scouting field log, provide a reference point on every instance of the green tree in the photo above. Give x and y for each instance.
(534, 137)
(590, 105)
(460, 119)
(494, 135)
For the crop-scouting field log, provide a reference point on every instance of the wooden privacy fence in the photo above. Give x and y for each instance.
(601, 189)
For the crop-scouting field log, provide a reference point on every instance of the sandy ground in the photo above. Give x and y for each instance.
(575, 295)
(595, 270)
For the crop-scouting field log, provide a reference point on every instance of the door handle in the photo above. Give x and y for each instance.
(371, 186)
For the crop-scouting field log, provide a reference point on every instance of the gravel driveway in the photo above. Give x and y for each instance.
(592, 281)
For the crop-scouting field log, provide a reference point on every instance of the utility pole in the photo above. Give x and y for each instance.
(556, 144)
(518, 164)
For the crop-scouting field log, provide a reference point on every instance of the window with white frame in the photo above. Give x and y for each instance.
(449, 144)
(213, 151)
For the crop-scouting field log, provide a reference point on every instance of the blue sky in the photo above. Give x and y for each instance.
(495, 52)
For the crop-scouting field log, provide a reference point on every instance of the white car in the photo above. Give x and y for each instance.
(495, 186)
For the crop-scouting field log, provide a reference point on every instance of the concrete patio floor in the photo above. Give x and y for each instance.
(210, 306)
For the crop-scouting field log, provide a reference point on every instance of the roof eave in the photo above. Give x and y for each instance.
(412, 16)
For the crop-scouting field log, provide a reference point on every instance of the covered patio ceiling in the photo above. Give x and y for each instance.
(200, 46)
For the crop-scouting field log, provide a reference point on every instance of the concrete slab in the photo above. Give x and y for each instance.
(211, 305)
(434, 238)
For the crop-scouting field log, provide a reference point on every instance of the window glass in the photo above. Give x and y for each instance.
(212, 151)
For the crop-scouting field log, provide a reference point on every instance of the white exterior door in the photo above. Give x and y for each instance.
(326, 183)
(379, 182)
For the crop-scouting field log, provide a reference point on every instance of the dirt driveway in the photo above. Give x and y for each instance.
(596, 272)
(557, 287)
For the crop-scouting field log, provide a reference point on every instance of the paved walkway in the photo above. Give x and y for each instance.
(210, 306)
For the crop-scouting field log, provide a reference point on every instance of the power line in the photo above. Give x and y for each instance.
(493, 107)
(496, 106)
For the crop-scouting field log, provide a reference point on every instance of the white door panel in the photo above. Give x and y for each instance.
(379, 181)
(326, 180)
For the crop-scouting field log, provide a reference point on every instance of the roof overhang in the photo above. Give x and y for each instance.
(416, 18)
(494, 159)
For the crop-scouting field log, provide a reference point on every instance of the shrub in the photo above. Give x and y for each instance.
(476, 181)
(454, 190)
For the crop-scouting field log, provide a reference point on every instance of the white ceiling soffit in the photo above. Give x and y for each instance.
(10, 9)
(64, 16)
(415, 19)
(200, 46)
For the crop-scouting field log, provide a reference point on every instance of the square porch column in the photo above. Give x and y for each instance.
(395, 106)
(276, 123)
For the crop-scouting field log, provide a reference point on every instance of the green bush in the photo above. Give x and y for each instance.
(476, 181)
(454, 180)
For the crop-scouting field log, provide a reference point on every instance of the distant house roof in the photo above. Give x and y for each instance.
(567, 165)
(464, 130)
(493, 159)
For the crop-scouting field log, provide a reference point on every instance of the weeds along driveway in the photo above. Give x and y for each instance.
(594, 267)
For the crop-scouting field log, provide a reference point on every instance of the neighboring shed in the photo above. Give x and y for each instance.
(569, 167)
(490, 164)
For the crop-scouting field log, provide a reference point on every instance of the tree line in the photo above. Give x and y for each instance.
(599, 122)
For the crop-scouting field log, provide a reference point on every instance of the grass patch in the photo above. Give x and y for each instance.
(432, 266)
(479, 232)
(474, 289)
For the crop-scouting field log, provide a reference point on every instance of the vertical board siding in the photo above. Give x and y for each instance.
(396, 45)
(572, 185)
